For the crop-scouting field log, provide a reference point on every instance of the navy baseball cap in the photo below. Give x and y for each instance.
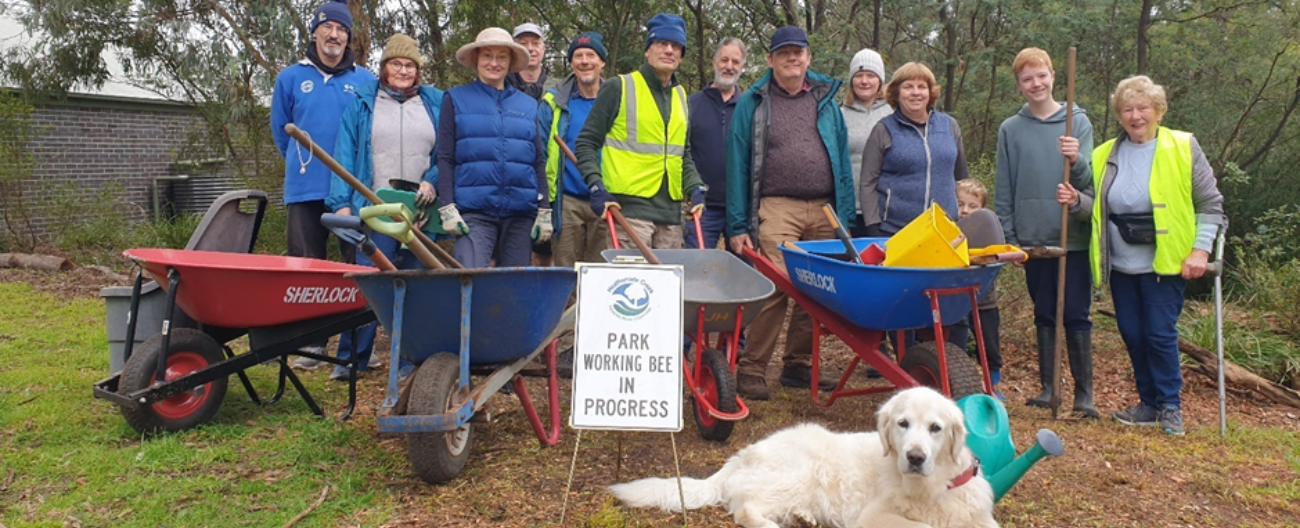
(788, 36)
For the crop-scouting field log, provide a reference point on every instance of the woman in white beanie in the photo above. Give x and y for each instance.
(863, 106)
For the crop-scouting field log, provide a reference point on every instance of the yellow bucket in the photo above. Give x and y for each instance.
(929, 241)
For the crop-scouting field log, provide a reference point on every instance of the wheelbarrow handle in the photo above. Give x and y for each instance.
(349, 228)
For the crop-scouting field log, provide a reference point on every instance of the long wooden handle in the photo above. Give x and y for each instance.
(421, 250)
(1055, 402)
(565, 148)
(841, 233)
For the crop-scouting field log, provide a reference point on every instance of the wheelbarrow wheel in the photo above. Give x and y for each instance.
(718, 383)
(189, 351)
(922, 363)
(440, 455)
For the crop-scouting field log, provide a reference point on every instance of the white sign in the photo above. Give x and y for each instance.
(627, 344)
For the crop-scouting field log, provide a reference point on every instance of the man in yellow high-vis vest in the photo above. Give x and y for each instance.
(634, 152)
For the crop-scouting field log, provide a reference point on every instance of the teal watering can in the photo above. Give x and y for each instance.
(988, 434)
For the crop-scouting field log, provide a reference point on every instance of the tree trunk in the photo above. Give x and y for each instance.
(947, 17)
(1239, 377)
(40, 262)
(1144, 22)
(875, 25)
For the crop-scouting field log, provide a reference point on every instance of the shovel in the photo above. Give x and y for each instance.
(843, 235)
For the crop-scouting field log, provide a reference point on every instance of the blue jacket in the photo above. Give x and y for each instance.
(710, 117)
(565, 181)
(917, 170)
(314, 102)
(747, 147)
(495, 159)
(353, 150)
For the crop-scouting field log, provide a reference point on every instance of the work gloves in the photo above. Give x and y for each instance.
(452, 223)
(601, 200)
(542, 227)
(696, 205)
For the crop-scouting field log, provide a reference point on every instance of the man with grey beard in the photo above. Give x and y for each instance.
(711, 110)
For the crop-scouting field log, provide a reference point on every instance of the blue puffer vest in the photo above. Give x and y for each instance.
(496, 131)
(917, 170)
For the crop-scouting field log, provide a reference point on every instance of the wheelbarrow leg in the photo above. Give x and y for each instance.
(173, 282)
(243, 378)
(297, 384)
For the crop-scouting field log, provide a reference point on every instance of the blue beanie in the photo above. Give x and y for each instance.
(666, 27)
(590, 39)
(333, 11)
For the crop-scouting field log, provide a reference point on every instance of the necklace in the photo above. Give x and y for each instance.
(298, 148)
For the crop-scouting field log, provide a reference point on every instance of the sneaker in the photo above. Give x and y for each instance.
(375, 361)
(340, 373)
(1171, 420)
(405, 371)
(752, 387)
(306, 363)
(564, 363)
(798, 377)
(1140, 414)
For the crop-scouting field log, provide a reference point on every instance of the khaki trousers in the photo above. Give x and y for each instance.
(583, 235)
(657, 236)
(779, 220)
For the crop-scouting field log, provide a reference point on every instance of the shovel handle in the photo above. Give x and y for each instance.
(841, 233)
(425, 250)
(640, 244)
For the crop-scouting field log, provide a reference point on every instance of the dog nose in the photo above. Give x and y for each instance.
(915, 457)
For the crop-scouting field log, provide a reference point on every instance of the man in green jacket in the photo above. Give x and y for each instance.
(783, 175)
(634, 150)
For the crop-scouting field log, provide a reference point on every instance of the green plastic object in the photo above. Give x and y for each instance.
(377, 217)
(433, 226)
(988, 435)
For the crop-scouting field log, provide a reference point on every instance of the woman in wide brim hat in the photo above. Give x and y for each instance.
(492, 160)
(467, 55)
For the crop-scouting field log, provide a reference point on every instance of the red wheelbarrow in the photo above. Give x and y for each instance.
(860, 304)
(177, 379)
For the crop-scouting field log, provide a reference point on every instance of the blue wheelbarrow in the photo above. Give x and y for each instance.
(861, 304)
(504, 319)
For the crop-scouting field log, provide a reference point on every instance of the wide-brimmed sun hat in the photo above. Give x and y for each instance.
(493, 36)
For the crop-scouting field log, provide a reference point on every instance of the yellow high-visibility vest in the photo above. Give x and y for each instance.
(1171, 202)
(640, 148)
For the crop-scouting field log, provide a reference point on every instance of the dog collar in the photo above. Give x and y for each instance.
(965, 476)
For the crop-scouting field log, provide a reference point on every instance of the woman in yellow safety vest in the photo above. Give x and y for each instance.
(1154, 222)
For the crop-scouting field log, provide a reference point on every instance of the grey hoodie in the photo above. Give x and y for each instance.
(860, 120)
(1030, 166)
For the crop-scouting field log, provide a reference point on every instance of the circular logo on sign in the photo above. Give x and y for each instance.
(631, 299)
(306, 86)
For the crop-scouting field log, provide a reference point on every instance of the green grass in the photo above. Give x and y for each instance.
(74, 457)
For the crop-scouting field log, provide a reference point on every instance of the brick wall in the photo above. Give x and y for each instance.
(86, 144)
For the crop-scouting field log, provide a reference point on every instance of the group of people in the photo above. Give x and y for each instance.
(757, 165)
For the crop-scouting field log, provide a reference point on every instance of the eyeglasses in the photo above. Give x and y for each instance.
(403, 66)
(333, 27)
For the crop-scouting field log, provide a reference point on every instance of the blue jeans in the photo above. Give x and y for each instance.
(505, 239)
(1147, 307)
(712, 221)
(365, 335)
(1040, 278)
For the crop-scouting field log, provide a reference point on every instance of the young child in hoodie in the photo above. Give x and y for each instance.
(981, 228)
(1032, 151)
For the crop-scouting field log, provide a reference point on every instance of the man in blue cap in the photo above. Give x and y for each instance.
(801, 165)
(313, 95)
(634, 151)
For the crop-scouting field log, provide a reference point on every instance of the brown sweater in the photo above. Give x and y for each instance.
(797, 164)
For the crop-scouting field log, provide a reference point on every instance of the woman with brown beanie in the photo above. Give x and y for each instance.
(387, 140)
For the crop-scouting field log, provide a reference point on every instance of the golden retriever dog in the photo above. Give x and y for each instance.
(914, 471)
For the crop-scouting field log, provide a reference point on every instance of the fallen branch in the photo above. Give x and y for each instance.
(1233, 374)
(8, 481)
(40, 262)
(321, 500)
(109, 273)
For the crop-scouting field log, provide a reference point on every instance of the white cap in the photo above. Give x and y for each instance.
(529, 27)
(868, 60)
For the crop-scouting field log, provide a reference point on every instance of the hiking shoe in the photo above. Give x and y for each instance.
(752, 387)
(1140, 414)
(1171, 420)
(564, 363)
(375, 361)
(801, 378)
(340, 373)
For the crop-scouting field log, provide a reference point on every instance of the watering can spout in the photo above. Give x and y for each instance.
(1003, 480)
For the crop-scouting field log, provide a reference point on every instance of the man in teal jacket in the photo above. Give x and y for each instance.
(783, 175)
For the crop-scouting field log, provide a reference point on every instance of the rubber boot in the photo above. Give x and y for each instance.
(1046, 356)
(1079, 344)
